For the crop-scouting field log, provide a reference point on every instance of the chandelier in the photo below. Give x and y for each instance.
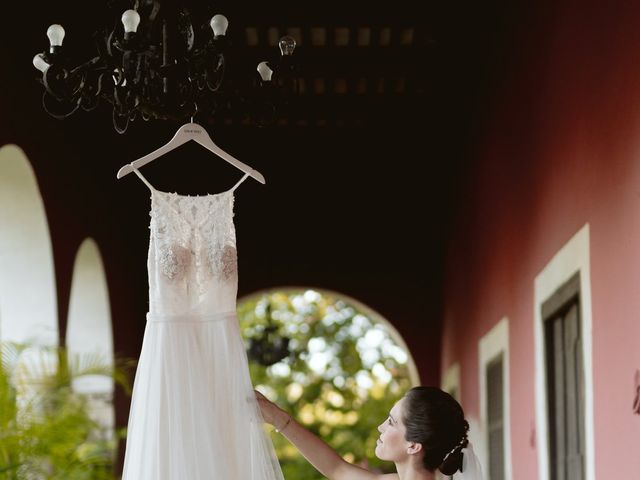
(158, 61)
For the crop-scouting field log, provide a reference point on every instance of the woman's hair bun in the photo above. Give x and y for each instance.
(452, 461)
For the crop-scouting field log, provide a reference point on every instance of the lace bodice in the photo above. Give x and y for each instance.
(192, 258)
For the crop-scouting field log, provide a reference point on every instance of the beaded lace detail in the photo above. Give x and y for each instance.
(194, 236)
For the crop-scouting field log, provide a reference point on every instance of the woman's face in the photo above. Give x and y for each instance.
(392, 445)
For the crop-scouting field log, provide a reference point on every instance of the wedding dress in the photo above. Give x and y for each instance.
(193, 412)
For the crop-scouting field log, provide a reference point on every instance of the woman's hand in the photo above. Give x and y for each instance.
(271, 413)
(322, 456)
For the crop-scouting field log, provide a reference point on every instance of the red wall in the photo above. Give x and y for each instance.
(561, 149)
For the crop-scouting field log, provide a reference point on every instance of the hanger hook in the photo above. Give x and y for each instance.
(195, 111)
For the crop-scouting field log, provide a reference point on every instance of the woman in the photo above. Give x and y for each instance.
(424, 432)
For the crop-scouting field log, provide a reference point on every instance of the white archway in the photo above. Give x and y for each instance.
(89, 336)
(28, 304)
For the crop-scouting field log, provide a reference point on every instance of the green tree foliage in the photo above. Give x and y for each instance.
(46, 430)
(342, 378)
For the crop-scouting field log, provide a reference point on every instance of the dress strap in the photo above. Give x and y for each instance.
(146, 182)
(239, 182)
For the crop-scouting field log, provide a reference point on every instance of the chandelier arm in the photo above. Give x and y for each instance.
(217, 73)
(93, 64)
(110, 44)
(121, 129)
(155, 9)
(56, 83)
(60, 116)
(165, 56)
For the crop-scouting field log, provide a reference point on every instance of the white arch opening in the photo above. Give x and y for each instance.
(28, 303)
(89, 336)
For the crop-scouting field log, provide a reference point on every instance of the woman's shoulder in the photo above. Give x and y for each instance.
(354, 472)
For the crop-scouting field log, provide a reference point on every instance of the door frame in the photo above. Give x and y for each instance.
(492, 345)
(573, 258)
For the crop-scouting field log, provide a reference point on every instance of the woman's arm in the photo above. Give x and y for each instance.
(316, 451)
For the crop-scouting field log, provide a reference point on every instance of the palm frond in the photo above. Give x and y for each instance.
(46, 428)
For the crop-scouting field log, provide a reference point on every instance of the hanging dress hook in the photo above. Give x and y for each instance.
(194, 112)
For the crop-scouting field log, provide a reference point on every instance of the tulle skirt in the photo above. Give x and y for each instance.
(193, 413)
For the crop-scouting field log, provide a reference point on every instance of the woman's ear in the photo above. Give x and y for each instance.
(414, 447)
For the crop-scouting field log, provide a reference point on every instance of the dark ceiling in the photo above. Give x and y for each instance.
(361, 175)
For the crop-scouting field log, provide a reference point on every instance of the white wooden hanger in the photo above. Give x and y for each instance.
(197, 133)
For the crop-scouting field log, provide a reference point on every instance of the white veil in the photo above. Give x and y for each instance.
(471, 469)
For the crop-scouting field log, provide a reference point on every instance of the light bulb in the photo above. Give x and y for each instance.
(56, 34)
(39, 63)
(219, 24)
(130, 20)
(265, 71)
(287, 45)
